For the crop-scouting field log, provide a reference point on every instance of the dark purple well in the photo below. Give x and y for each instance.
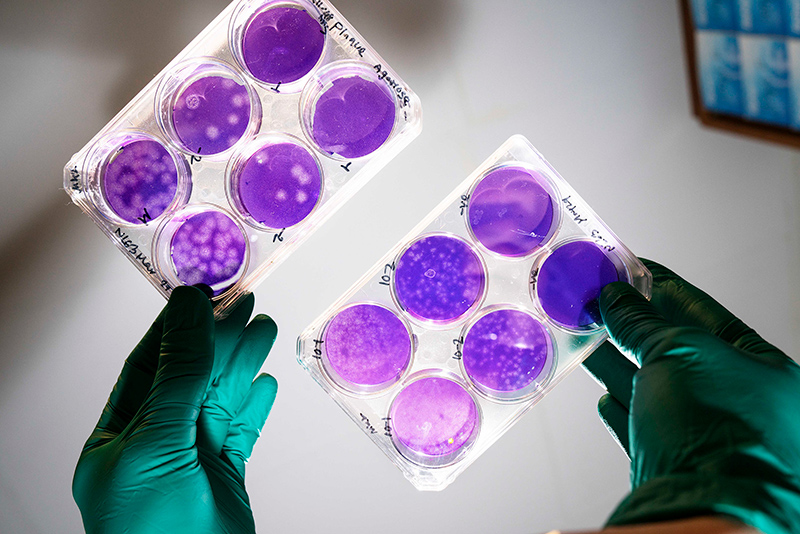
(505, 351)
(140, 181)
(208, 248)
(367, 347)
(353, 117)
(211, 114)
(439, 278)
(282, 44)
(433, 419)
(569, 282)
(279, 185)
(510, 212)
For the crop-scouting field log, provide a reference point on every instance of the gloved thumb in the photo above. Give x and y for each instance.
(184, 366)
(632, 321)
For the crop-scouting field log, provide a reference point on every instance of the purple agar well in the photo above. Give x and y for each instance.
(569, 283)
(433, 419)
(367, 347)
(282, 44)
(279, 185)
(505, 351)
(211, 114)
(510, 212)
(353, 117)
(140, 181)
(208, 248)
(439, 278)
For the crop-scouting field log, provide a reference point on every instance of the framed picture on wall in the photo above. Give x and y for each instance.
(743, 58)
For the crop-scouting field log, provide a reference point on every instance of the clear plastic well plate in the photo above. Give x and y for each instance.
(472, 318)
(268, 121)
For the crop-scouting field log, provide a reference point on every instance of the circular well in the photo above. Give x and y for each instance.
(203, 244)
(511, 212)
(439, 279)
(434, 421)
(348, 113)
(140, 180)
(569, 283)
(281, 43)
(276, 182)
(507, 353)
(367, 348)
(206, 107)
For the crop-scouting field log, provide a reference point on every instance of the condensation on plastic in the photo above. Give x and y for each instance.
(147, 168)
(513, 254)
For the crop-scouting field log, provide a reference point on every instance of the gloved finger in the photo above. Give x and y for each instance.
(615, 416)
(184, 366)
(683, 304)
(250, 418)
(133, 384)
(632, 321)
(229, 331)
(613, 371)
(229, 389)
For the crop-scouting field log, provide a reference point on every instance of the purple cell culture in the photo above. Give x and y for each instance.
(505, 351)
(282, 44)
(433, 419)
(140, 181)
(510, 213)
(439, 278)
(208, 248)
(569, 283)
(211, 114)
(367, 347)
(279, 185)
(353, 118)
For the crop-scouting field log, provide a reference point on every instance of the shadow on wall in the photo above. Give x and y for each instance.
(413, 35)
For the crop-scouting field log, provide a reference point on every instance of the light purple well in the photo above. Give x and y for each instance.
(439, 278)
(367, 347)
(282, 44)
(510, 212)
(140, 181)
(211, 114)
(208, 248)
(432, 420)
(569, 283)
(279, 185)
(353, 117)
(505, 351)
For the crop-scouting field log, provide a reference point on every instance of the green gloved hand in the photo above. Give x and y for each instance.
(169, 451)
(712, 419)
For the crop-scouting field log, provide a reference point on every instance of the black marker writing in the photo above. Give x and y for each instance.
(394, 85)
(367, 424)
(386, 277)
(464, 201)
(573, 209)
(459, 343)
(133, 249)
(318, 349)
(194, 158)
(602, 241)
(387, 427)
(75, 179)
(145, 217)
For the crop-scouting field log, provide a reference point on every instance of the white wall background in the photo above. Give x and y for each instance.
(599, 87)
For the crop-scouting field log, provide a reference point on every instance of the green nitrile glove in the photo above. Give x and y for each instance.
(169, 451)
(712, 419)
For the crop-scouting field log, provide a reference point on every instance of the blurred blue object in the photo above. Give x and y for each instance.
(715, 14)
(720, 72)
